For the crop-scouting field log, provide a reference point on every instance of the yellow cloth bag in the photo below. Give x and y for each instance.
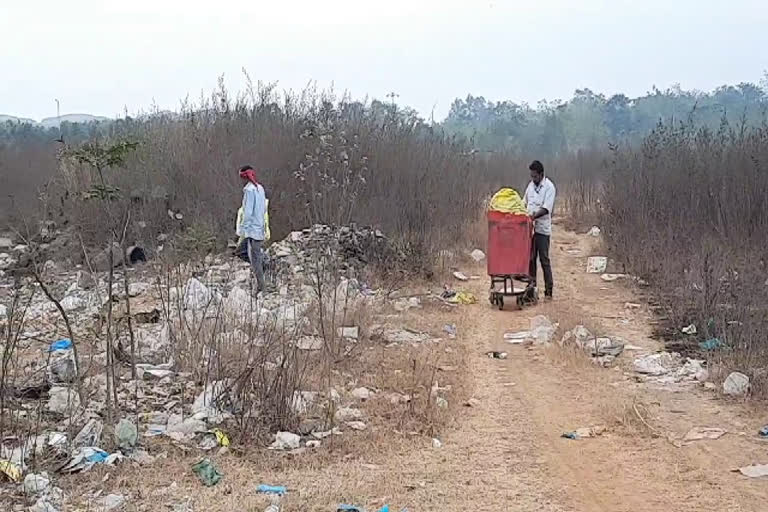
(507, 200)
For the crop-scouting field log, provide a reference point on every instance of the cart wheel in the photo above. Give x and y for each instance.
(501, 303)
(520, 302)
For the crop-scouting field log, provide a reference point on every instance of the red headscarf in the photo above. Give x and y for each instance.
(250, 175)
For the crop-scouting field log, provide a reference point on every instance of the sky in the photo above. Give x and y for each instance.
(106, 57)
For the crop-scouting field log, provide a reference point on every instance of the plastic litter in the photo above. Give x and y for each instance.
(517, 338)
(10, 470)
(507, 200)
(460, 276)
(221, 437)
(583, 433)
(711, 344)
(699, 433)
(85, 458)
(464, 298)
(763, 432)
(127, 434)
(755, 471)
(63, 344)
(207, 472)
(596, 264)
(450, 329)
(689, 329)
(271, 489)
(496, 355)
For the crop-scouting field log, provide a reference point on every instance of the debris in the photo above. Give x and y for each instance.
(699, 433)
(441, 402)
(64, 344)
(609, 278)
(127, 434)
(310, 343)
(542, 330)
(186, 429)
(596, 264)
(405, 304)
(755, 471)
(62, 368)
(84, 459)
(62, 399)
(632, 305)
(689, 329)
(496, 355)
(460, 276)
(584, 433)
(763, 432)
(349, 333)
(517, 338)
(221, 438)
(436, 443)
(472, 402)
(43, 505)
(286, 441)
(736, 384)
(196, 294)
(89, 435)
(464, 298)
(451, 330)
(207, 472)
(110, 502)
(477, 255)
(271, 489)
(404, 336)
(10, 470)
(710, 344)
(357, 425)
(594, 231)
(346, 414)
(361, 393)
(314, 443)
(36, 484)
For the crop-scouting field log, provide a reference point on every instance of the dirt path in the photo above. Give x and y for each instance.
(506, 452)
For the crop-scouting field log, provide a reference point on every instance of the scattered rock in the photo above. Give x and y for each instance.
(460, 276)
(404, 336)
(62, 400)
(736, 384)
(477, 255)
(362, 393)
(85, 280)
(313, 443)
(405, 304)
(357, 425)
(196, 294)
(286, 441)
(110, 502)
(6, 244)
(62, 369)
(594, 231)
(310, 343)
(36, 483)
(346, 414)
(755, 471)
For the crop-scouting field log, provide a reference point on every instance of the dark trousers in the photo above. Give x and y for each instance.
(540, 250)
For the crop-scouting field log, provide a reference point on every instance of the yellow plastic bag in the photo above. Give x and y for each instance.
(507, 200)
(465, 298)
(10, 470)
(221, 437)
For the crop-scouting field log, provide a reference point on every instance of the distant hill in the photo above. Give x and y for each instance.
(4, 118)
(50, 122)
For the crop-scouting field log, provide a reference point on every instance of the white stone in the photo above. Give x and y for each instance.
(72, 302)
(286, 441)
(357, 425)
(436, 443)
(736, 384)
(477, 255)
(345, 414)
(110, 502)
(361, 393)
(196, 294)
(36, 483)
(62, 400)
(310, 343)
(460, 276)
(594, 231)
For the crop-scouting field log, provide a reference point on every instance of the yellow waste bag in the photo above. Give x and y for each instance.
(221, 437)
(465, 298)
(10, 470)
(507, 200)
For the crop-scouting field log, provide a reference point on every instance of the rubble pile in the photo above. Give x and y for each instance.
(350, 247)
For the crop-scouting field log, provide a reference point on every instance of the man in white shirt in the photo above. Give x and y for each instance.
(253, 227)
(540, 202)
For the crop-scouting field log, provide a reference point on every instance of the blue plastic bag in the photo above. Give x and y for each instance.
(64, 344)
(272, 489)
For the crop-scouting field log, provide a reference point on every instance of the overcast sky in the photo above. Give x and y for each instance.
(102, 56)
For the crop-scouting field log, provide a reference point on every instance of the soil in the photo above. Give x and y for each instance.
(506, 451)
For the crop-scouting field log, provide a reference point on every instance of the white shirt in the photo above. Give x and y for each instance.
(541, 196)
(254, 207)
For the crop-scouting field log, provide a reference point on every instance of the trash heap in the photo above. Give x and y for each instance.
(348, 249)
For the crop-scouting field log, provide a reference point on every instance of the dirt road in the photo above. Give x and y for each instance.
(507, 453)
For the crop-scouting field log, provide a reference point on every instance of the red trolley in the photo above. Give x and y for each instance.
(509, 255)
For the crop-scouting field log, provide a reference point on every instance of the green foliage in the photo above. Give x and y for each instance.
(99, 157)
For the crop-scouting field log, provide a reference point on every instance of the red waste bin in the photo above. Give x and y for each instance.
(509, 244)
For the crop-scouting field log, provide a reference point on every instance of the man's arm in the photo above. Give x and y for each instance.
(548, 203)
